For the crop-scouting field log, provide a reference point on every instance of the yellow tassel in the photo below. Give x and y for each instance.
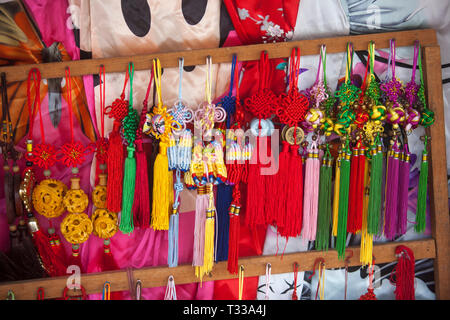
(366, 238)
(321, 281)
(162, 190)
(336, 195)
(208, 256)
(241, 281)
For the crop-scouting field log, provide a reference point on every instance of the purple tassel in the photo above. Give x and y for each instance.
(390, 222)
(403, 193)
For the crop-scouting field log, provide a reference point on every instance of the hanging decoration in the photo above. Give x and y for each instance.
(287, 210)
(76, 226)
(237, 161)
(208, 164)
(141, 202)
(115, 160)
(347, 94)
(104, 222)
(47, 196)
(159, 124)
(262, 105)
(402, 276)
(224, 190)
(22, 251)
(130, 126)
(426, 120)
(179, 155)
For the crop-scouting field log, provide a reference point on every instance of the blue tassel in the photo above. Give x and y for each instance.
(172, 255)
(223, 202)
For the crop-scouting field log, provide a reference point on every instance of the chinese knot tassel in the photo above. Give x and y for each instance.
(336, 194)
(162, 190)
(115, 169)
(390, 223)
(421, 210)
(208, 255)
(344, 182)
(402, 275)
(311, 194)
(201, 205)
(403, 183)
(324, 215)
(376, 182)
(141, 204)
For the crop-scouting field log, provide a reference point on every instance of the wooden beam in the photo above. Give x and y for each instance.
(254, 266)
(438, 187)
(427, 37)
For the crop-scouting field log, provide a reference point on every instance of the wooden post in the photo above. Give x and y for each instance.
(438, 187)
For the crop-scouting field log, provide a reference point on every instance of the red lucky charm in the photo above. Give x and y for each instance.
(262, 104)
(293, 105)
(287, 209)
(47, 196)
(115, 159)
(76, 226)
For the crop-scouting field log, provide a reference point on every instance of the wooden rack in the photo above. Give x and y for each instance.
(437, 247)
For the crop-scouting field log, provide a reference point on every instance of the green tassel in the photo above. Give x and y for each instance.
(421, 211)
(343, 203)
(376, 175)
(324, 213)
(129, 179)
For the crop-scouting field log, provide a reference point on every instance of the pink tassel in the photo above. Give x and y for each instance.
(311, 194)
(201, 205)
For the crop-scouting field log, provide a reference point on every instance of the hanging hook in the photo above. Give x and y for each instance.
(320, 261)
(347, 259)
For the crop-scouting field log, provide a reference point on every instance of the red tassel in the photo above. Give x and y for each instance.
(404, 274)
(233, 239)
(255, 191)
(282, 180)
(52, 263)
(294, 202)
(141, 204)
(352, 208)
(360, 188)
(115, 165)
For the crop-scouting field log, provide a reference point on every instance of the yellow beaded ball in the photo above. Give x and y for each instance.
(76, 200)
(76, 227)
(48, 198)
(105, 223)
(99, 197)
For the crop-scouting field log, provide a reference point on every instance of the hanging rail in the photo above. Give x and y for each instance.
(254, 266)
(427, 37)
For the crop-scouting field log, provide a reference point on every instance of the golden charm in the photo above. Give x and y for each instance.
(104, 223)
(48, 198)
(76, 227)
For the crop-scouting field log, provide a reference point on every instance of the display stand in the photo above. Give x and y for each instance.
(437, 247)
